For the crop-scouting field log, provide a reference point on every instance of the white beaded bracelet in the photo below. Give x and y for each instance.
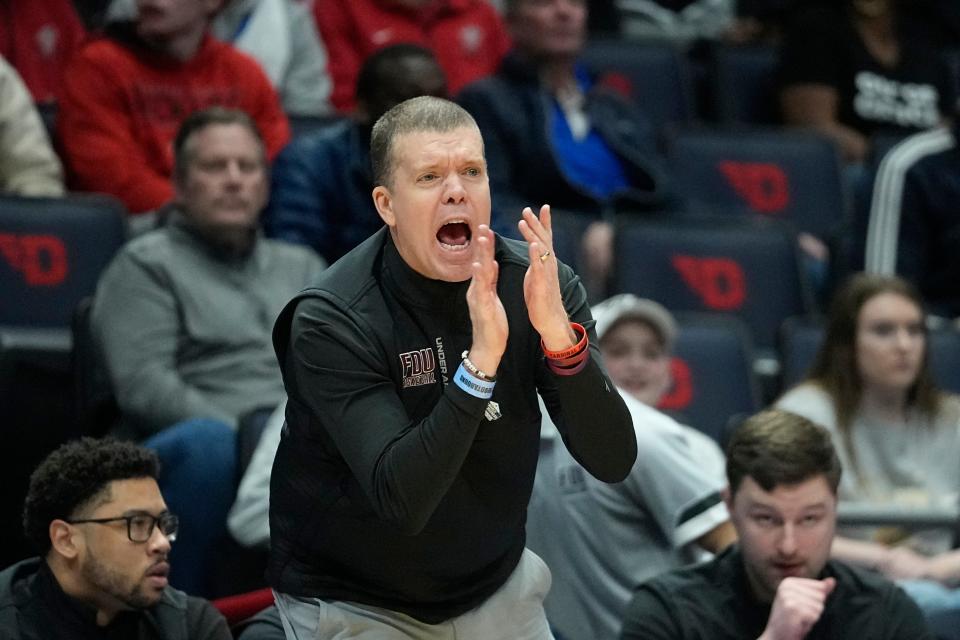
(472, 368)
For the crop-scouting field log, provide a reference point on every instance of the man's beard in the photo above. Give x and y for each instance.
(111, 583)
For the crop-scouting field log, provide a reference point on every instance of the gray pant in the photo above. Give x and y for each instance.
(513, 612)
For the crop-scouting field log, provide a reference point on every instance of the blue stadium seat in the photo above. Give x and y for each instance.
(655, 76)
(568, 230)
(35, 405)
(51, 254)
(945, 358)
(786, 175)
(95, 406)
(739, 267)
(713, 377)
(52, 251)
(743, 85)
(799, 339)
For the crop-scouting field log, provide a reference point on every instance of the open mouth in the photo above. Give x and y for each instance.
(454, 235)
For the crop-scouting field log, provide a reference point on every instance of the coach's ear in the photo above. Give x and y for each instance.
(64, 539)
(383, 201)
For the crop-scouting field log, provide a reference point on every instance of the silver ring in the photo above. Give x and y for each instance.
(544, 256)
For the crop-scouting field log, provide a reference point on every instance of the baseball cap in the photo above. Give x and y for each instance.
(626, 306)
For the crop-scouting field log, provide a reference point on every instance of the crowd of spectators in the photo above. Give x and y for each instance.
(127, 91)
(187, 112)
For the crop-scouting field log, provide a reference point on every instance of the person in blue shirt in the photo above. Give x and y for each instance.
(555, 132)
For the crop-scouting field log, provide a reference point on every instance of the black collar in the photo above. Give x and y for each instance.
(77, 618)
(417, 289)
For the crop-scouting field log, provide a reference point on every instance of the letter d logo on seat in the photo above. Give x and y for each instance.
(718, 282)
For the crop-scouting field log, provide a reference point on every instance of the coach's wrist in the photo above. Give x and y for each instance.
(560, 337)
(485, 359)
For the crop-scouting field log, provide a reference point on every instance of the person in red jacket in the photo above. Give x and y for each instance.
(38, 37)
(467, 37)
(127, 93)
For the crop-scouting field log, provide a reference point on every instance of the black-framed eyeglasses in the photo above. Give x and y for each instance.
(140, 525)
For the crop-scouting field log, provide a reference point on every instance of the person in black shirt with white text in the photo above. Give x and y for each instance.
(853, 69)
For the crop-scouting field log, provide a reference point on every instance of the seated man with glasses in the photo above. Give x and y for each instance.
(95, 514)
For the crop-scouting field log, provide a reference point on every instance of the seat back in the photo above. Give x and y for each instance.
(52, 251)
(799, 342)
(712, 370)
(746, 268)
(36, 417)
(95, 405)
(656, 77)
(945, 358)
(743, 84)
(568, 230)
(790, 176)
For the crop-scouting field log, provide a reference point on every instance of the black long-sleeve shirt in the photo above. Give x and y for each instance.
(714, 600)
(392, 488)
(33, 606)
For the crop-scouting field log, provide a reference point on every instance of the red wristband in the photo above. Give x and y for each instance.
(572, 351)
(569, 371)
(571, 361)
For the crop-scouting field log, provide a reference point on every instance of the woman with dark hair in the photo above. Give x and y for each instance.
(897, 434)
(854, 68)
